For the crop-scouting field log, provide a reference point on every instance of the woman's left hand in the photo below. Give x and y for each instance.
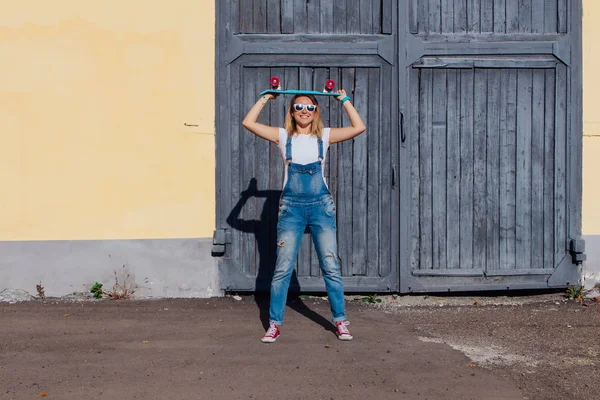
(342, 94)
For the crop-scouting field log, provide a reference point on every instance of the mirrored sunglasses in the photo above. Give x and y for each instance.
(309, 107)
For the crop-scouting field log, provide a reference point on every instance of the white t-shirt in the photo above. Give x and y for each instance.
(305, 150)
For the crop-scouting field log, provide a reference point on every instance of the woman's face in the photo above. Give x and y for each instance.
(303, 116)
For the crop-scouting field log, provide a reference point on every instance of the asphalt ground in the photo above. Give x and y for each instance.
(411, 347)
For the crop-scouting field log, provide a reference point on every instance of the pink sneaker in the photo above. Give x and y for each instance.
(342, 330)
(272, 334)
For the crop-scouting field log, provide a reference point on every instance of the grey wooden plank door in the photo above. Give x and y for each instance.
(492, 150)
(305, 43)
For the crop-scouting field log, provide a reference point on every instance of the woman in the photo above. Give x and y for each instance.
(305, 200)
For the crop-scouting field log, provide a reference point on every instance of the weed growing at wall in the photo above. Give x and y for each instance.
(372, 298)
(124, 287)
(575, 292)
(40, 291)
(97, 290)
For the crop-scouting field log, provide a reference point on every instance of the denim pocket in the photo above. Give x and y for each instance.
(283, 208)
(329, 206)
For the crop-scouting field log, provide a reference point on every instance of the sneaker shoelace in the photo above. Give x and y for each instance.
(342, 328)
(272, 330)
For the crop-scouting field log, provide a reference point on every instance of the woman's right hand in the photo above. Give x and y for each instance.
(265, 98)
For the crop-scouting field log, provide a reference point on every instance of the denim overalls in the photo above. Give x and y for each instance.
(306, 201)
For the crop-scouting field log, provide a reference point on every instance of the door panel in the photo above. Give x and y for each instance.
(484, 169)
(358, 173)
(312, 17)
(488, 16)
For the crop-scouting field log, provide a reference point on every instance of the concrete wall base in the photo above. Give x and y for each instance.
(162, 267)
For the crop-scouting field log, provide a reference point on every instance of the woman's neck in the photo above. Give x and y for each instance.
(303, 131)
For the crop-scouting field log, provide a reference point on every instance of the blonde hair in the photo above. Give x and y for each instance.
(316, 127)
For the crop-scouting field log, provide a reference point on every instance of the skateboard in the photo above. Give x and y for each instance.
(276, 89)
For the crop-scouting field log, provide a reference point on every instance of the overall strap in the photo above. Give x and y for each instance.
(320, 144)
(288, 149)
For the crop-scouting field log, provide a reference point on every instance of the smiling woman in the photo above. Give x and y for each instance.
(306, 200)
(304, 110)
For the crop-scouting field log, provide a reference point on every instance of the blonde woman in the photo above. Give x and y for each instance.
(305, 200)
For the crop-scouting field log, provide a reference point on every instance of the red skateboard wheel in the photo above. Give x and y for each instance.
(274, 82)
(329, 84)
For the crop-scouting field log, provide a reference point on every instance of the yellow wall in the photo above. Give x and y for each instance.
(93, 98)
(591, 118)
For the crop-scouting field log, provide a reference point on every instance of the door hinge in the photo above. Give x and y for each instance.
(220, 238)
(577, 250)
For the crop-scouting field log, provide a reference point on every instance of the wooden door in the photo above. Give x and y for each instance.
(306, 43)
(492, 155)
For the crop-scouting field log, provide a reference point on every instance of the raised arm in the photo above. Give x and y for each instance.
(270, 133)
(348, 132)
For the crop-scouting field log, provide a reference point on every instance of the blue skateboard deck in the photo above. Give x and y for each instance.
(291, 91)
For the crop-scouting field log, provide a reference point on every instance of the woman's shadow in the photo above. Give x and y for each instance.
(265, 233)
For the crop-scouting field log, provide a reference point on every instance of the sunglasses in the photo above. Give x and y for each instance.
(308, 107)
